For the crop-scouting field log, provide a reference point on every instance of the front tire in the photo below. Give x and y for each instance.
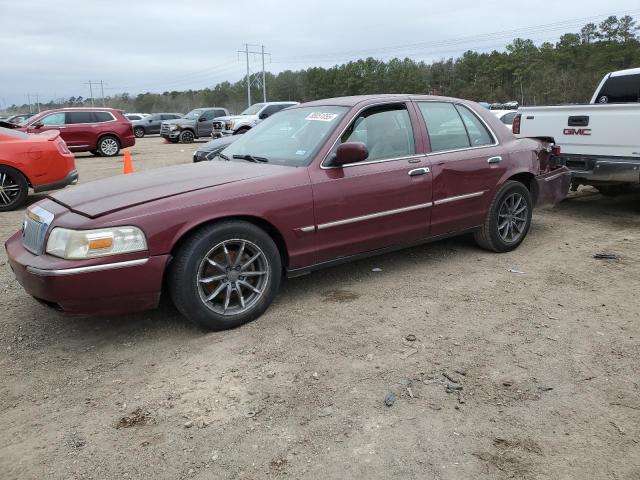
(108, 146)
(187, 136)
(241, 131)
(138, 132)
(508, 220)
(225, 275)
(13, 189)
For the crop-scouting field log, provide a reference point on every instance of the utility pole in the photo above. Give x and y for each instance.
(90, 83)
(29, 100)
(260, 82)
(264, 80)
(102, 91)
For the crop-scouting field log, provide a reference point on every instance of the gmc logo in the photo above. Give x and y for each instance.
(577, 131)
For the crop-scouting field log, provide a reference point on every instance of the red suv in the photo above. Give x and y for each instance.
(101, 131)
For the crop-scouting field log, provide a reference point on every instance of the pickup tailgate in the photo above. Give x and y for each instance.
(596, 130)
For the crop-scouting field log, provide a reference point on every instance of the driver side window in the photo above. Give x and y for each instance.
(53, 120)
(385, 130)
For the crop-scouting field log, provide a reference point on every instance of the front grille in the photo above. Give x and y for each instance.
(218, 125)
(34, 229)
(164, 128)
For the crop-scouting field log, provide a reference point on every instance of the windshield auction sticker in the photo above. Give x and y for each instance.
(321, 116)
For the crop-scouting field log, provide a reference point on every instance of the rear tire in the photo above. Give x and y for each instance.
(225, 275)
(508, 220)
(138, 132)
(13, 189)
(108, 146)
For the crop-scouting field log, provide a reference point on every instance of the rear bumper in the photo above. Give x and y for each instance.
(595, 171)
(113, 287)
(552, 187)
(71, 178)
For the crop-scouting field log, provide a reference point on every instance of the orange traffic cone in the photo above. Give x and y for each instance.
(127, 165)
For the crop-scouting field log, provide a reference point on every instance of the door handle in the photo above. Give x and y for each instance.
(418, 171)
(497, 159)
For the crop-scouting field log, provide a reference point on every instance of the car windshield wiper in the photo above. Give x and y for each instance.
(251, 158)
(208, 156)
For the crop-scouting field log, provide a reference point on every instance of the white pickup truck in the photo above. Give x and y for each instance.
(599, 142)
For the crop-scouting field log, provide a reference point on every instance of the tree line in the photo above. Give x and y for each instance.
(567, 71)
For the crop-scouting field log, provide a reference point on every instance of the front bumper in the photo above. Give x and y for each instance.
(552, 187)
(119, 285)
(171, 134)
(221, 133)
(71, 178)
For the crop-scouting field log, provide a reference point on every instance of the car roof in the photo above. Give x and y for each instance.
(372, 99)
(629, 71)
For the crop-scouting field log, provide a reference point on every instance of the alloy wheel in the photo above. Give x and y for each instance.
(186, 137)
(233, 276)
(512, 217)
(109, 146)
(9, 189)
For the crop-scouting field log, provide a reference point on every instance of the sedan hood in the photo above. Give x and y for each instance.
(109, 195)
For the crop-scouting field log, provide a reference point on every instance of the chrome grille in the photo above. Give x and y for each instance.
(218, 125)
(34, 229)
(164, 128)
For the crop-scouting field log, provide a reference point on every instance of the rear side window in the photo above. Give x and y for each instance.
(220, 113)
(13, 133)
(271, 109)
(622, 89)
(79, 117)
(478, 133)
(508, 118)
(446, 130)
(100, 117)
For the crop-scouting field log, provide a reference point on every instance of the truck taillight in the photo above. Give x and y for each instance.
(62, 147)
(516, 124)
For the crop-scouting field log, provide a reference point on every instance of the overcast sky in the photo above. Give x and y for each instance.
(51, 48)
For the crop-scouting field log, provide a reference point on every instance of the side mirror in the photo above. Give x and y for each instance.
(38, 125)
(151, 121)
(201, 119)
(263, 115)
(350, 152)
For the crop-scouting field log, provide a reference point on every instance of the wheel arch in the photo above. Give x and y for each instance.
(108, 134)
(20, 171)
(528, 180)
(259, 222)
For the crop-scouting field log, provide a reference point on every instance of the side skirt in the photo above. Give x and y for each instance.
(298, 272)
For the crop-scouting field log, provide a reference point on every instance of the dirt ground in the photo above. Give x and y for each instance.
(544, 342)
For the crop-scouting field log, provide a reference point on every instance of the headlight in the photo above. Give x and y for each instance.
(174, 127)
(81, 244)
(229, 125)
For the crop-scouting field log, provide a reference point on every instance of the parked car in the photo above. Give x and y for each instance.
(18, 118)
(599, 142)
(506, 116)
(239, 124)
(195, 124)
(41, 162)
(135, 116)
(210, 150)
(151, 125)
(101, 131)
(316, 185)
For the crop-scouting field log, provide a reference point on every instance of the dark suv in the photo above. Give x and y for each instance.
(101, 131)
(151, 125)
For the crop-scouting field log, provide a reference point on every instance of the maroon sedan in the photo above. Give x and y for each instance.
(316, 185)
(101, 131)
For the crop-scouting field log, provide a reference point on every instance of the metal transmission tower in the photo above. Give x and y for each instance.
(260, 82)
(91, 84)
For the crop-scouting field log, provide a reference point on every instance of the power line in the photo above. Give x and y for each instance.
(257, 81)
(543, 28)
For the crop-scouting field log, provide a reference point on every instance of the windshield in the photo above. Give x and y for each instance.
(290, 138)
(193, 114)
(253, 109)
